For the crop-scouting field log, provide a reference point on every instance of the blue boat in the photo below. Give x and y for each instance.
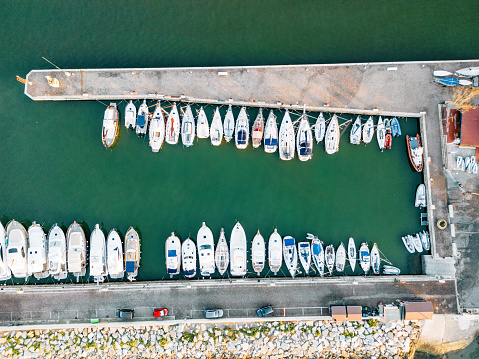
(395, 128)
(448, 81)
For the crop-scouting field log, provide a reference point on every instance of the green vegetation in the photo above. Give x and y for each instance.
(372, 322)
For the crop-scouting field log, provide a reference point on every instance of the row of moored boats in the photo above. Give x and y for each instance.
(418, 242)
(468, 164)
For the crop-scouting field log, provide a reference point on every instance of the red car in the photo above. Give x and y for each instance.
(160, 312)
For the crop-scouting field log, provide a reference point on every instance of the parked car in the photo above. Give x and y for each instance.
(265, 311)
(213, 313)
(160, 312)
(125, 313)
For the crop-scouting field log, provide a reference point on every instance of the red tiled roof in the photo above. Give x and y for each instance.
(470, 128)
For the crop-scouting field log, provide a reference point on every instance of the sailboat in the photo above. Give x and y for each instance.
(222, 254)
(286, 138)
(258, 128)
(420, 200)
(329, 258)
(375, 259)
(5, 272)
(188, 127)
(110, 130)
(271, 134)
(290, 254)
(114, 255)
(381, 133)
(76, 255)
(98, 269)
(130, 116)
(173, 255)
(157, 129)
(188, 258)
(142, 119)
(304, 254)
(364, 257)
(206, 249)
(216, 130)
(340, 258)
(355, 135)
(368, 130)
(318, 255)
(57, 253)
(238, 250)
(132, 254)
(37, 252)
(415, 151)
(258, 253)
(395, 127)
(320, 128)
(203, 128)
(17, 249)
(352, 253)
(229, 125)
(242, 130)
(447, 81)
(304, 139)
(172, 126)
(332, 136)
(275, 252)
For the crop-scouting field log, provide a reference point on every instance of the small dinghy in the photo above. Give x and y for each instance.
(459, 162)
(216, 130)
(229, 125)
(340, 258)
(420, 200)
(286, 138)
(395, 127)
(416, 241)
(114, 255)
(415, 152)
(368, 130)
(17, 249)
(468, 72)
(425, 240)
(258, 253)
(76, 255)
(320, 128)
(173, 252)
(381, 133)
(407, 240)
(206, 250)
(188, 127)
(222, 254)
(271, 134)
(173, 126)
(474, 168)
(447, 81)
(157, 129)
(332, 136)
(352, 253)
(318, 255)
(142, 119)
(242, 130)
(364, 258)
(258, 129)
(304, 253)
(188, 258)
(5, 272)
(467, 162)
(203, 128)
(130, 116)
(329, 258)
(290, 255)
(465, 82)
(132, 254)
(355, 135)
(110, 130)
(304, 139)
(238, 251)
(470, 165)
(375, 259)
(391, 270)
(441, 73)
(37, 252)
(275, 252)
(98, 269)
(388, 139)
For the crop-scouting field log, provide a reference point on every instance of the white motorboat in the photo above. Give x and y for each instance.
(258, 129)
(188, 258)
(332, 136)
(304, 254)
(275, 252)
(368, 130)
(114, 255)
(286, 138)
(206, 250)
(111, 128)
(242, 130)
(238, 250)
(216, 130)
(304, 139)
(441, 73)
(258, 253)
(391, 270)
(318, 255)
(172, 126)
(142, 119)
(271, 134)
(320, 128)
(463, 82)
(407, 240)
(37, 252)
(132, 253)
(468, 72)
(290, 254)
(130, 116)
(329, 258)
(17, 249)
(340, 258)
(222, 254)
(157, 129)
(459, 162)
(355, 135)
(5, 272)
(229, 125)
(425, 240)
(57, 253)
(173, 255)
(420, 200)
(188, 127)
(76, 255)
(98, 269)
(352, 253)
(416, 241)
(364, 258)
(375, 259)
(381, 133)
(203, 127)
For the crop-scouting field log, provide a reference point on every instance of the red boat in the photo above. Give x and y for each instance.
(415, 152)
(388, 139)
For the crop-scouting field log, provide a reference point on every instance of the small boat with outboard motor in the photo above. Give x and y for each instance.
(206, 250)
(420, 200)
(76, 255)
(37, 252)
(57, 253)
(111, 128)
(391, 270)
(142, 119)
(188, 258)
(222, 254)
(114, 255)
(173, 255)
(258, 253)
(130, 115)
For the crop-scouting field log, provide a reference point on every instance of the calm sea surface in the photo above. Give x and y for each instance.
(54, 167)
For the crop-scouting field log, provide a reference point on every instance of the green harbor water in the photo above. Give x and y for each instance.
(54, 167)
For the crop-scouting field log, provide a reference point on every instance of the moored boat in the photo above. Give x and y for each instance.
(332, 136)
(258, 253)
(188, 127)
(76, 255)
(459, 162)
(173, 255)
(114, 255)
(425, 240)
(415, 152)
(132, 254)
(304, 254)
(271, 134)
(275, 252)
(407, 240)
(188, 258)
(416, 241)
(388, 138)
(395, 127)
(98, 269)
(17, 249)
(329, 258)
(5, 272)
(130, 116)
(206, 249)
(340, 258)
(381, 133)
(142, 119)
(320, 128)
(368, 130)
(157, 129)
(352, 253)
(222, 254)
(355, 135)
(238, 251)
(290, 255)
(375, 259)
(37, 252)
(420, 200)
(447, 81)
(216, 130)
(391, 270)
(468, 72)
(258, 129)
(229, 124)
(318, 255)
(110, 130)
(57, 253)
(441, 73)
(242, 130)
(364, 258)
(173, 126)
(203, 128)
(304, 139)
(286, 138)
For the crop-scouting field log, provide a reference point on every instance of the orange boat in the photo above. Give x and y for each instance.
(415, 152)
(388, 140)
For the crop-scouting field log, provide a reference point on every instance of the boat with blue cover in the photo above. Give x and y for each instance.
(304, 139)
(132, 253)
(355, 135)
(271, 134)
(364, 258)
(142, 119)
(318, 255)
(304, 252)
(329, 258)
(173, 252)
(229, 125)
(290, 255)
(395, 127)
(447, 81)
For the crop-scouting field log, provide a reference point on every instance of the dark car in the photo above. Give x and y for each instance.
(264, 311)
(213, 313)
(125, 313)
(160, 312)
